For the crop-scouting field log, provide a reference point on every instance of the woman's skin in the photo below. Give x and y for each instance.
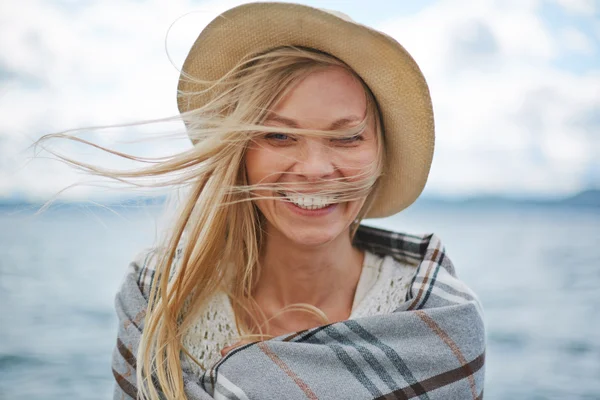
(308, 256)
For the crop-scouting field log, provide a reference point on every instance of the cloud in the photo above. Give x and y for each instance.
(65, 66)
(505, 112)
(580, 7)
(576, 41)
(509, 119)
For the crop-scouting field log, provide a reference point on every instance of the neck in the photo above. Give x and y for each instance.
(324, 276)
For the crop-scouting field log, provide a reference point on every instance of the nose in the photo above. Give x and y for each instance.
(314, 160)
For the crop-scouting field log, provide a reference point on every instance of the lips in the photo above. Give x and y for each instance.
(307, 201)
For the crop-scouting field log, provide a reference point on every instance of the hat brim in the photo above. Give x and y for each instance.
(385, 66)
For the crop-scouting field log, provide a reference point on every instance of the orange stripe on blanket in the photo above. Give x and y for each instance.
(279, 362)
(451, 344)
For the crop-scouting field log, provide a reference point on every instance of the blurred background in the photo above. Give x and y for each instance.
(514, 190)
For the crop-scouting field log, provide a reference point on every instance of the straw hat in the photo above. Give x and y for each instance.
(386, 67)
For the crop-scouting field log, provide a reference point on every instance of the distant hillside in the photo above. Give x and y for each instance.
(586, 199)
(127, 203)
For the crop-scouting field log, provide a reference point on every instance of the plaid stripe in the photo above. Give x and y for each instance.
(126, 388)
(421, 350)
(228, 390)
(393, 356)
(310, 333)
(425, 290)
(441, 380)
(347, 361)
(144, 268)
(450, 343)
(366, 354)
(301, 384)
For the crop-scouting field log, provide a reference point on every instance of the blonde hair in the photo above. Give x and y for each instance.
(217, 228)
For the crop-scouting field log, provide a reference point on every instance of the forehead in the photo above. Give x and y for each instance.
(322, 97)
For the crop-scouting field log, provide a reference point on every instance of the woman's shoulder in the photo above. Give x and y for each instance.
(144, 265)
(420, 263)
(411, 270)
(142, 269)
(214, 327)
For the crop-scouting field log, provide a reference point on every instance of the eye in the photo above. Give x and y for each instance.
(279, 137)
(348, 140)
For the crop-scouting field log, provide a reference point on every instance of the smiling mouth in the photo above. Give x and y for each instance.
(308, 202)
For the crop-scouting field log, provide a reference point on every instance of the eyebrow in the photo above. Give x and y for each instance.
(294, 124)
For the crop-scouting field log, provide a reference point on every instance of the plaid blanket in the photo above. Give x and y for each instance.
(431, 347)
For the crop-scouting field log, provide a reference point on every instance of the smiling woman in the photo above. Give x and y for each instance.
(303, 123)
(324, 100)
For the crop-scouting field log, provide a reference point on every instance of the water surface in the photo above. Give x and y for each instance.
(536, 270)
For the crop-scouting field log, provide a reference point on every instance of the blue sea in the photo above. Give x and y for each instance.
(536, 270)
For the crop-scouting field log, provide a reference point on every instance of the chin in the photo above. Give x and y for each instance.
(314, 236)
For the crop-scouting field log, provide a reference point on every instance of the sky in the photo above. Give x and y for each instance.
(515, 86)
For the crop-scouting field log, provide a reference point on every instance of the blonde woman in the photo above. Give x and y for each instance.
(267, 287)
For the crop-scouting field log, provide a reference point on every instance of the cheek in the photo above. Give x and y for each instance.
(263, 165)
(256, 165)
(359, 164)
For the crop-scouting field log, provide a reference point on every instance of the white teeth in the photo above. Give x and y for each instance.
(310, 202)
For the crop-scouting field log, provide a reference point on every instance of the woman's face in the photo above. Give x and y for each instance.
(326, 99)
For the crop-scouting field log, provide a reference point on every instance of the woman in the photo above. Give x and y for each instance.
(304, 123)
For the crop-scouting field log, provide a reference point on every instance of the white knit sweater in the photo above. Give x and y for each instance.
(381, 287)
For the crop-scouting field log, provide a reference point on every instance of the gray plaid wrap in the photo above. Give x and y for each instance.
(431, 347)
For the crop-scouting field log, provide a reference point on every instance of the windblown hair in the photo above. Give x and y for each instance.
(217, 230)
